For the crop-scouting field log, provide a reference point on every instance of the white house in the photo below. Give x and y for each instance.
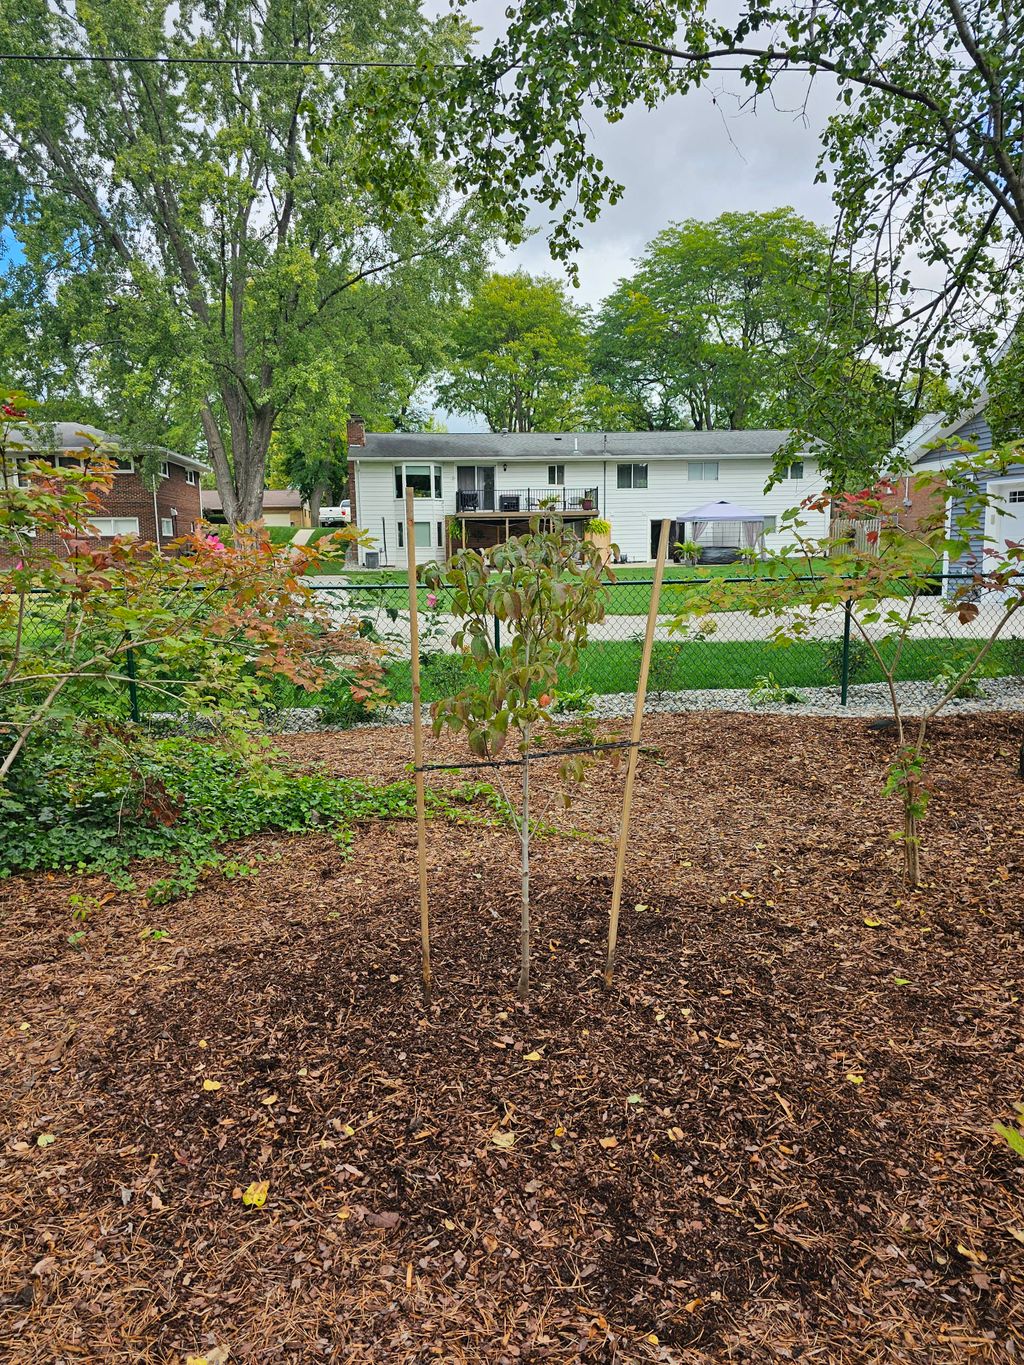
(488, 485)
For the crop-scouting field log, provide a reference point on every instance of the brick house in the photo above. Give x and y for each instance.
(133, 507)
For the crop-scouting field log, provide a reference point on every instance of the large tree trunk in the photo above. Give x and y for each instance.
(316, 499)
(240, 481)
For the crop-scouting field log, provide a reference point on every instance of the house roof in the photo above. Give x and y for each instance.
(567, 446)
(931, 430)
(69, 436)
(274, 500)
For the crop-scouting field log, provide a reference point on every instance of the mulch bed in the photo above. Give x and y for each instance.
(772, 1140)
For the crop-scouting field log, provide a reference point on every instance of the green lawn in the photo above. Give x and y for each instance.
(630, 595)
(609, 666)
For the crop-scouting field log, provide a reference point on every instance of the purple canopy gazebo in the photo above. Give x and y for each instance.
(751, 524)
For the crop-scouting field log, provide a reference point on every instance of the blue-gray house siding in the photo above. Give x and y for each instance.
(976, 432)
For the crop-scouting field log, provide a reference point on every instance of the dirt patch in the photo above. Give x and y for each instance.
(772, 1141)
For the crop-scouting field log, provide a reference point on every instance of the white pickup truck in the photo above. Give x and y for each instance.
(336, 516)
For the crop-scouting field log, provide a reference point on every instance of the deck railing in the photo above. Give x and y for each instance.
(520, 501)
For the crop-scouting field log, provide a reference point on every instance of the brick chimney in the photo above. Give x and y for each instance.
(356, 432)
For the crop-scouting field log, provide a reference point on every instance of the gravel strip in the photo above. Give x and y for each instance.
(865, 700)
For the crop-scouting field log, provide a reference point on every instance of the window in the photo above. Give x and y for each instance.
(401, 533)
(631, 476)
(167, 526)
(422, 529)
(115, 526)
(702, 471)
(14, 474)
(191, 476)
(423, 479)
(165, 469)
(1017, 494)
(440, 535)
(795, 470)
(770, 525)
(68, 462)
(124, 464)
(556, 475)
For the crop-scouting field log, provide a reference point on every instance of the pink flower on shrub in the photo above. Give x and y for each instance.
(216, 544)
(431, 599)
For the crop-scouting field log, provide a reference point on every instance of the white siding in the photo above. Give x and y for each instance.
(670, 492)
(380, 513)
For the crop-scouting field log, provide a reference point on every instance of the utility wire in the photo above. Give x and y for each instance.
(132, 60)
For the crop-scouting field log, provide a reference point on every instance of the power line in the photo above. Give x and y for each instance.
(132, 60)
(128, 59)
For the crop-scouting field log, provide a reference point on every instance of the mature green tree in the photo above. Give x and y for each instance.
(520, 359)
(208, 233)
(923, 152)
(723, 322)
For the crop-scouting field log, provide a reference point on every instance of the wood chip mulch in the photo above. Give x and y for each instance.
(772, 1141)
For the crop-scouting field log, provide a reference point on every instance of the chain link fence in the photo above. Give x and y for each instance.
(732, 651)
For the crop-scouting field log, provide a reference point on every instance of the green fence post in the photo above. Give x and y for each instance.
(497, 635)
(133, 691)
(847, 615)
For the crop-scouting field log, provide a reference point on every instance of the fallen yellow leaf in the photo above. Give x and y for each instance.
(504, 1140)
(269, 1099)
(559, 1132)
(873, 923)
(855, 1078)
(608, 1143)
(202, 1043)
(652, 1337)
(532, 1057)
(256, 1195)
(211, 1085)
(45, 1140)
(971, 1255)
(676, 1134)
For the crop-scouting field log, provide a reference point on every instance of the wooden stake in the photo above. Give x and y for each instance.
(634, 752)
(417, 741)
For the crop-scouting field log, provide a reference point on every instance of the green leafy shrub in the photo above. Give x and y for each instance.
(861, 659)
(578, 701)
(769, 692)
(443, 674)
(95, 797)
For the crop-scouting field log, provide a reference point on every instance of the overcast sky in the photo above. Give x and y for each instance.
(695, 156)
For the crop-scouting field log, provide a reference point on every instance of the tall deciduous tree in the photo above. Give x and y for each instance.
(520, 359)
(724, 323)
(923, 151)
(207, 232)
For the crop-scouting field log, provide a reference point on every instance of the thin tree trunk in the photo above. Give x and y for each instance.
(524, 840)
(316, 498)
(911, 845)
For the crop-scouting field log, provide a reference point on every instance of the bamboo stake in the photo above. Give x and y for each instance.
(634, 752)
(417, 741)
